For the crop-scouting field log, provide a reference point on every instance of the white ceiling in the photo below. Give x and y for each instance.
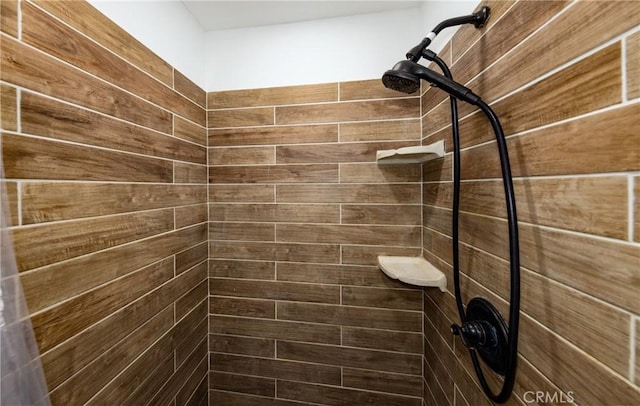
(222, 15)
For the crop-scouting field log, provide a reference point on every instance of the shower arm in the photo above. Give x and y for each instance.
(478, 19)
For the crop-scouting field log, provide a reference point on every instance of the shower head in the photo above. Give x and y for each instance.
(401, 81)
(405, 77)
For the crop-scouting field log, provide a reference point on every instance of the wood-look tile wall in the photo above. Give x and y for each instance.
(567, 94)
(104, 148)
(299, 313)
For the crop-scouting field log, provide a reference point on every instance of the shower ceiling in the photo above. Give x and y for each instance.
(222, 15)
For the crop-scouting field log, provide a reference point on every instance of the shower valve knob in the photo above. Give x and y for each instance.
(476, 334)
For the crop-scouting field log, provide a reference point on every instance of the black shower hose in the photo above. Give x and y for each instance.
(514, 252)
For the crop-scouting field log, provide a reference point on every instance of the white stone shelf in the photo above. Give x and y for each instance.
(411, 155)
(413, 270)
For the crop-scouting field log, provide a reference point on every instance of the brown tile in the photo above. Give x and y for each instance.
(75, 353)
(351, 357)
(59, 323)
(351, 316)
(265, 309)
(242, 156)
(334, 396)
(298, 134)
(349, 234)
(636, 209)
(49, 285)
(52, 119)
(335, 153)
(190, 215)
(633, 66)
(220, 268)
(383, 193)
(8, 97)
(380, 130)
(91, 22)
(568, 203)
(290, 213)
(589, 141)
(10, 190)
(275, 290)
(381, 214)
(382, 339)
(57, 39)
(9, 17)
(327, 173)
(365, 255)
(429, 100)
(410, 385)
(440, 317)
(349, 111)
(257, 347)
(335, 274)
(274, 96)
(177, 381)
(531, 58)
(33, 70)
(591, 89)
(499, 36)
(384, 298)
(268, 251)
(242, 384)
(279, 369)
(82, 386)
(193, 329)
(48, 243)
(101, 267)
(241, 193)
(42, 202)
(195, 388)
(186, 130)
(437, 378)
(218, 397)
(190, 300)
(241, 117)
(31, 158)
(576, 260)
(439, 170)
(374, 173)
(366, 89)
(568, 367)
(242, 231)
(201, 394)
(189, 173)
(189, 89)
(156, 378)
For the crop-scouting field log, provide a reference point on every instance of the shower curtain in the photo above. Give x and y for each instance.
(22, 380)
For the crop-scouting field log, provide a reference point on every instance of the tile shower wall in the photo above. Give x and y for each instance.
(564, 79)
(104, 147)
(298, 212)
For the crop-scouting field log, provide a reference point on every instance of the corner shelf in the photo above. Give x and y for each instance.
(413, 270)
(411, 155)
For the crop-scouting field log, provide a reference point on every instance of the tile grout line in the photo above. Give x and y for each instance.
(623, 69)
(631, 208)
(632, 348)
(19, 20)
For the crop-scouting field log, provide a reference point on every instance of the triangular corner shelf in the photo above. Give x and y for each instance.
(411, 155)
(413, 270)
